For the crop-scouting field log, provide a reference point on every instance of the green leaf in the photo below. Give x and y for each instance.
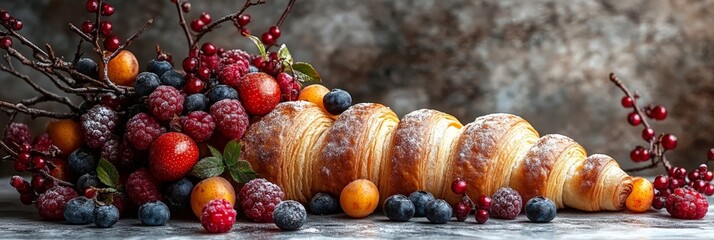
(306, 73)
(107, 173)
(232, 151)
(284, 54)
(242, 172)
(208, 167)
(259, 44)
(215, 152)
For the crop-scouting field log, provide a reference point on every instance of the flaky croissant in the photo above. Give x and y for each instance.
(303, 150)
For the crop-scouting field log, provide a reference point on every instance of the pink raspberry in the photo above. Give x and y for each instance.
(110, 150)
(42, 143)
(142, 129)
(218, 216)
(258, 199)
(289, 88)
(198, 125)
(230, 118)
(165, 103)
(50, 204)
(127, 157)
(211, 62)
(687, 203)
(17, 134)
(231, 74)
(235, 56)
(98, 125)
(141, 187)
(507, 203)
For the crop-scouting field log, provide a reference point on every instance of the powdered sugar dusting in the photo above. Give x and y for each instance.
(482, 137)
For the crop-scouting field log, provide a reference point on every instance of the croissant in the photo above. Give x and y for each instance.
(305, 151)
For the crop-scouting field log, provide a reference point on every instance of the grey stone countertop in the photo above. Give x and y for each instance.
(22, 222)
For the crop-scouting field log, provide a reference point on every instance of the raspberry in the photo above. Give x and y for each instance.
(211, 62)
(127, 158)
(231, 74)
(142, 129)
(218, 216)
(258, 199)
(230, 118)
(506, 204)
(50, 204)
(17, 134)
(165, 102)
(42, 143)
(289, 88)
(687, 203)
(142, 187)
(198, 125)
(98, 124)
(110, 150)
(235, 56)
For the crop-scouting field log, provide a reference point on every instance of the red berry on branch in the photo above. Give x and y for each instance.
(707, 176)
(658, 113)
(190, 64)
(107, 10)
(197, 25)
(458, 186)
(38, 162)
(21, 166)
(680, 174)
(634, 119)
(111, 43)
(693, 175)
(702, 168)
(484, 203)
(38, 182)
(206, 18)
(92, 5)
(481, 216)
(186, 7)
(90, 192)
(267, 39)
(668, 141)
(699, 185)
(710, 154)
(709, 189)
(275, 31)
(5, 42)
(87, 27)
(244, 31)
(193, 84)
(273, 56)
(24, 157)
(4, 15)
(258, 62)
(637, 154)
(105, 27)
(194, 52)
(627, 102)
(648, 134)
(16, 24)
(675, 183)
(16, 181)
(660, 182)
(25, 147)
(243, 19)
(208, 49)
(204, 73)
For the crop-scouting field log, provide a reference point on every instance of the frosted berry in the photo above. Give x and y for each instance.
(420, 199)
(165, 103)
(17, 134)
(142, 130)
(230, 117)
(50, 205)
(198, 125)
(398, 208)
(218, 216)
(110, 150)
(289, 88)
(154, 214)
(106, 216)
(634, 119)
(231, 74)
(438, 211)
(507, 204)
(141, 187)
(458, 186)
(258, 199)
(211, 62)
(668, 141)
(323, 203)
(79, 211)
(173, 78)
(540, 210)
(146, 83)
(158, 67)
(178, 194)
(289, 215)
(658, 113)
(195, 102)
(337, 101)
(81, 162)
(98, 125)
(686, 203)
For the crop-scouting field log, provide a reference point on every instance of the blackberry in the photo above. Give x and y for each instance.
(173, 78)
(337, 101)
(154, 213)
(146, 83)
(81, 162)
(323, 203)
(438, 211)
(540, 210)
(506, 204)
(420, 199)
(195, 102)
(289, 215)
(105, 216)
(398, 208)
(98, 125)
(87, 67)
(179, 194)
(158, 67)
(165, 103)
(86, 181)
(221, 92)
(79, 211)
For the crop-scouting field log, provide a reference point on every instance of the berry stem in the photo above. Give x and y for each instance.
(282, 18)
(56, 180)
(229, 17)
(182, 22)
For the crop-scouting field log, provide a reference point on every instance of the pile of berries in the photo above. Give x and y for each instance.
(465, 206)
(697, 179)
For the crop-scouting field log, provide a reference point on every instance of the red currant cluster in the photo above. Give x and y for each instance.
(659, 113)
(198, 67)
(10, 23)
(698, 179)
(104, 27)
(29, 159)
(466, 205)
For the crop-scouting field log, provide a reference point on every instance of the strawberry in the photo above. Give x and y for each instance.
(259, 93)
(172, 155)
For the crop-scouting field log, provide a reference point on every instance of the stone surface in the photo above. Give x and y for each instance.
(22, 222)
(547, 61)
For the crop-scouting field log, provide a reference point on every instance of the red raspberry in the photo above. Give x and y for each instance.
(98, 124)
(687, 203)
(121, 202)
(198, 125)
(142, 129)
(42, 143)
(258, 199)
(231, 74)
(17, 134)
(235, 56)
(211, 62)
(165, 102)
(218, 216)
(507, 204)
(50, 204)
(110, 150)
(141, 187)
(289, 88)
(127, 158)
(230, 118)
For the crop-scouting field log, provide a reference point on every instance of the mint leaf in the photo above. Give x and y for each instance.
(242, 172)
(208, 167)
(215, 152)
(231, 152)
(107, 173)
(259, 44)
(306, 73)
(284, 54)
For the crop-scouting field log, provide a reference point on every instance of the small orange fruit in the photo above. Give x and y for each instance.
(640, 199)
(123, 68)
(66, 134)
(314, 94)
(210, 189)
(359, 198)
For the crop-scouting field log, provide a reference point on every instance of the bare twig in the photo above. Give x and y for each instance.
(34, 112)
(218, 22)
(56, 180)
(182, 22)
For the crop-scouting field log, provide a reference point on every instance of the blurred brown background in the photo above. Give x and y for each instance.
(546, 61)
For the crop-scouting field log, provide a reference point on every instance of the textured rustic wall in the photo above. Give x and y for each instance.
(547, 61)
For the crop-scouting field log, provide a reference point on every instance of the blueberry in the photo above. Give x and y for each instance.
(252, 69)
(398, 208)
(154, 214)
(420, 198)
(106, 216)
(438, 211)
(323, 203)
(87, 67)
(79, 211)
(540, 210)
(179, 194)
(289, 215)
(87, 180)
(337, 101)
(81, 162)
(195, 102)
(173, 78)
(221, 92)
(158, 67)
(146, 83)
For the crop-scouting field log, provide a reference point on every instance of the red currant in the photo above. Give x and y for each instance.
(273, 56)
(221, 51)
(674, 183)
(481, 216)
(258, 62)
(699, 185)
(193, 84)
(627, 102)
(458, 186)
(5, 42)
(658, 113)
(702, 168)
(16, 25)
(194, 52)
(25, 147)
(38, 162)
(4, 15)
(38, 182)
(659, 202)
(681, 173)
(204, 73)
(244, 31)
(634, 119)
(484, 203)
(208, 49)
(709, 189)
(186, 7)
(90, 192)
(92, 5)
(660, 182)
(638, 154)
(668, 141)
(190, 64)
(267, 38)
(205, 18)
(16, 181)
(24, 156)
(648, 134)
(243, 19)
(107, 10)
(27, 198)
(707, 176)
(710, 154)
(275, 31)
(693, 175)
(105, 27)
(24, 187)
(111, 43)
(197, 25)
(87, 26)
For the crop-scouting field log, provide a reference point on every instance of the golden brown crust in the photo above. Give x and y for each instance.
(600, 180)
